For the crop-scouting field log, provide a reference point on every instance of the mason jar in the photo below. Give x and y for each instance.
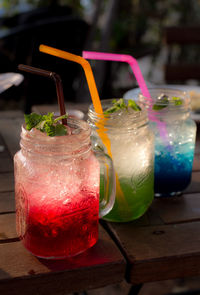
(57, 191)
(125, 135)
(175, 134)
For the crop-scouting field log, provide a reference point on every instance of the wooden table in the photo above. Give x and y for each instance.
(163, 244)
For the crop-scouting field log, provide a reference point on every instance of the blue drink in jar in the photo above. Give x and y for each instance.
(175, 134)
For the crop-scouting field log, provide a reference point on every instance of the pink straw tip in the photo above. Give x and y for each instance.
(121, 58)
(102, 55)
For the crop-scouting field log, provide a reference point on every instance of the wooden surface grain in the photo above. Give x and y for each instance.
(159, 252)
(23, 273)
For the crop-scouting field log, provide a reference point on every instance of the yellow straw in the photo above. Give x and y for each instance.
(93, 92)
(87, 69)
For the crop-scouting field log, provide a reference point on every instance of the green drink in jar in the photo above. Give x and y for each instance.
(132, 148)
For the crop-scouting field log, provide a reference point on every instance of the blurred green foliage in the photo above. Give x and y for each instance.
(12, 5)
(142, 21)
(137, 21)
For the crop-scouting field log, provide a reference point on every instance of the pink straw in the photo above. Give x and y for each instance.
(138, 75)
(122, 58)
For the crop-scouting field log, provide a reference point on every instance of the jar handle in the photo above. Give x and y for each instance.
(107, 183)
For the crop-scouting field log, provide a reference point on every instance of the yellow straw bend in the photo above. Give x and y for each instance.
(86, 67)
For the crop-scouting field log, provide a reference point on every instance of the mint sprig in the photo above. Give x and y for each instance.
(177, 100)
(46, 123)
(132, 104)
(32, 120)
(117, 105)
(163, 102)
(120, 105)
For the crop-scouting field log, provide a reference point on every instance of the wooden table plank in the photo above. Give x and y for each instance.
(6, 182)
(196, 163)
(7, 202)
(197, 145)
(159, 252)
(183, 208)
(194, 186)
(7, 227)
(22, 273)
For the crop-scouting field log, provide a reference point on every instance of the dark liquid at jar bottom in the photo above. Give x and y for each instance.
(56, 236)
(172, 176)
(172, 185)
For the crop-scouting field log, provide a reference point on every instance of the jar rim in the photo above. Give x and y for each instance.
(132, 120)
(108, 102)
(36, 141)
(43, 137)
(157, 92)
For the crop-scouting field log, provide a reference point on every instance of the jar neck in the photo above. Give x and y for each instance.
(175, 106)
(74, 144)
(120, 121)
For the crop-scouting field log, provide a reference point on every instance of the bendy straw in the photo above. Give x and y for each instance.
(140, 80)
(86, 67)
(57, 80)
(121, 58)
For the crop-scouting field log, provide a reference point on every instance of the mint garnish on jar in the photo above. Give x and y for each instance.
(163, 102)
(120, 105)
(46, 123)
(177, 100)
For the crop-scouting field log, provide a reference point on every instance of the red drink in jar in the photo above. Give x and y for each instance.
(57, 192)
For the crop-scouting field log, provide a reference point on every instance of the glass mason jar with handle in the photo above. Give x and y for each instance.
(57, 182)
(175, 133)
(132, 149)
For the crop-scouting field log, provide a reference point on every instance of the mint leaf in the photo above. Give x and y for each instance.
(132, 104)
(164, 100)
(32, 120)
(157, 107)
(161, 103)
(177, 100)
(49, 117)
(46, 123)
(40, 126)
(49, 129)
(110, 110)
(60, 130)
(60, 118)
(120, 104)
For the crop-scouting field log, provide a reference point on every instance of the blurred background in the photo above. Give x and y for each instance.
(163, 35)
